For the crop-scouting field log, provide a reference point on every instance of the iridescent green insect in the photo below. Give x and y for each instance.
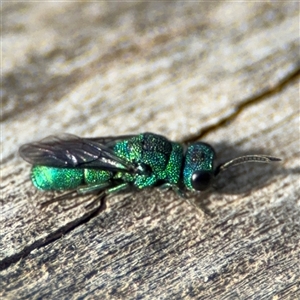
(113, 164)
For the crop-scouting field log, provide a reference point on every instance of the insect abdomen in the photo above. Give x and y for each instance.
(51, 178)
(95, 176)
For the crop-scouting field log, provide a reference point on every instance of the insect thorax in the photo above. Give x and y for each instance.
(156, 159)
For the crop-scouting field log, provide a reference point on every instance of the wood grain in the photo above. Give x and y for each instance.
(223, 72)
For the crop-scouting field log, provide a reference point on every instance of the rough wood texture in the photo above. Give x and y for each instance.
(226, 73)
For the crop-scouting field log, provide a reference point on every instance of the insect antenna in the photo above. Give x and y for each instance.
(245, 159)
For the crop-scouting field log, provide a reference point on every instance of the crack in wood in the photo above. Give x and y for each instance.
(261, 96)
(10, 260)
(266, 92)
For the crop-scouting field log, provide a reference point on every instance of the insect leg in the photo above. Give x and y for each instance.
(175, 188)
(103, 194)
(92, 188)
(59, 198)
(118, 188)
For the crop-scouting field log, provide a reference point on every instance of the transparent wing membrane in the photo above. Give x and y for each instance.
(70, 151)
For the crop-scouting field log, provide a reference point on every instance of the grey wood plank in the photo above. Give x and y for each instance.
(226, 73)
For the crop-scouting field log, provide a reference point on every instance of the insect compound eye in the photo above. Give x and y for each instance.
(201, 180)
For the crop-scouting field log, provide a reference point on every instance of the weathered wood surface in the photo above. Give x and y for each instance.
(226, 73)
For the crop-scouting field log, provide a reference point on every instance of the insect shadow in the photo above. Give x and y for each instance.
(242, 178)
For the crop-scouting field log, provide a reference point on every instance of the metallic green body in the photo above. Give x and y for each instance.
(157, 160)
(199, 156)
(112, 164)
(51, 178)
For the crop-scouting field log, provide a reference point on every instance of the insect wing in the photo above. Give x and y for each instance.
(70, 151)
(110, 141)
